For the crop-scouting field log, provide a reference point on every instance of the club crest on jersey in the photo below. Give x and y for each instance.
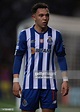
(24, 103)
(33, 50)
(49, 40)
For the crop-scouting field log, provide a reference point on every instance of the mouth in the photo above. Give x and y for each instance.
(44, 23)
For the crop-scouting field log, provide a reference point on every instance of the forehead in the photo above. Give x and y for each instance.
(42, 10)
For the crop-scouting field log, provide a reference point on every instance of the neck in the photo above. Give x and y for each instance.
(39, 29)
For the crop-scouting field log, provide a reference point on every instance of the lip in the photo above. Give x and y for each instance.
(44, 23)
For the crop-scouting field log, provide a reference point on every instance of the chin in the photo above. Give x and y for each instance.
(44, 26)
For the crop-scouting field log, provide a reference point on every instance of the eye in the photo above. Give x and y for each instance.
(41, 15)
(47, 15)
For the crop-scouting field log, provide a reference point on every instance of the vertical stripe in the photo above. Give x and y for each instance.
(48, 57)
(51, 79)
(40, 60)
(53, 62)
(35, 80)
(54, 95)
(24, 62)
(29, 59)
(44, 67)
(32, 58)
(52, 59)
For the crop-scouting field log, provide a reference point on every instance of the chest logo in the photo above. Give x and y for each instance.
(32, 50)
(49, 40)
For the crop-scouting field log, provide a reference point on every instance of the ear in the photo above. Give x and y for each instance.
(33, 16)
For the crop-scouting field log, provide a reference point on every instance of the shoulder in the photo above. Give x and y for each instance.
(55, 30)
(57, 34)
(24, 30)
(27, 30)
(23, 33)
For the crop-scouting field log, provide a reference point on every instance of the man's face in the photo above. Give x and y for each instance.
(41, 17)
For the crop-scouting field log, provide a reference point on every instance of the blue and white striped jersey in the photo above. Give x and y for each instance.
(39, 49)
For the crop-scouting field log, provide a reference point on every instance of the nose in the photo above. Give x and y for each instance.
(44, 17)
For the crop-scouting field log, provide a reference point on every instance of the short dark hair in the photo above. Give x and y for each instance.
(38, 5)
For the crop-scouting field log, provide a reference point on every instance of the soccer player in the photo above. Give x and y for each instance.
(38, 44)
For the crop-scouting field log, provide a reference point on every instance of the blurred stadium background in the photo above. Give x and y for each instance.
(65, 16)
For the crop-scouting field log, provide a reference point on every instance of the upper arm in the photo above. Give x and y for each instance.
(59, 47)
(20, 50)
(21, 44)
